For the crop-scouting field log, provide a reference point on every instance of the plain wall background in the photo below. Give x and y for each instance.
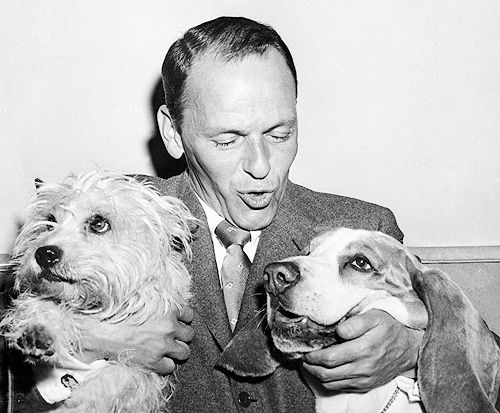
(399, 102)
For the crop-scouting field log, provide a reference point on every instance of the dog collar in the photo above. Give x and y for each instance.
(56, 383)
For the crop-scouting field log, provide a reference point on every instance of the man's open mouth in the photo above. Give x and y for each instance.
(257, 200)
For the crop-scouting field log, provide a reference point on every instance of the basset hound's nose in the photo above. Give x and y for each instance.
(48, 256)
(280, 275)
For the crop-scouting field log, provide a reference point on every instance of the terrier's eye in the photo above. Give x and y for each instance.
(177, 244)
(361, 263)
(98, 224)
(50, 218)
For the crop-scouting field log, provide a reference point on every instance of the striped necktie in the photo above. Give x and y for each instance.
(235, 267)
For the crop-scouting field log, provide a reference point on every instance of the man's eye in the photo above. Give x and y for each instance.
(362, 263)
(226, 140)
(98, 224)
(280, 137)
(224, 144)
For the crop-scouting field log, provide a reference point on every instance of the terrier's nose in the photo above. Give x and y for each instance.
(48, 255)
(280, 275)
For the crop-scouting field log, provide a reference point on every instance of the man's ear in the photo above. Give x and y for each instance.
(170, 136)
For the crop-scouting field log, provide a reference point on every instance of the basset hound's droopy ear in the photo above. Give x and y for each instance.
(250, 353)
(459, 361)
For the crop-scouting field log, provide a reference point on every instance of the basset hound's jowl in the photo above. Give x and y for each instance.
(345, 272)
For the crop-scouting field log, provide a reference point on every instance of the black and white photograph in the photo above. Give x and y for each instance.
(282, 206)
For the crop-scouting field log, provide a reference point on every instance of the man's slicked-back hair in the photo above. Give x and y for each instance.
(228, 38)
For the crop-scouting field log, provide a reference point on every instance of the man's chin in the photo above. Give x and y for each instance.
(255, 219)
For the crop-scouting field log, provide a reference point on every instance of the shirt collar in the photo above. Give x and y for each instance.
(214, 219)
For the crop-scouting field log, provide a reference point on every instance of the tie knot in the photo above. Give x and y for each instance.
(230, 234)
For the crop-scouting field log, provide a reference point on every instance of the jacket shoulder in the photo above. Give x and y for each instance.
(171, 186)
(331, 210)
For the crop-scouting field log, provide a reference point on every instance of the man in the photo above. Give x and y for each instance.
(231, 88)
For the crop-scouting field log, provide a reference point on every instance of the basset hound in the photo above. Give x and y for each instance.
(346, 272)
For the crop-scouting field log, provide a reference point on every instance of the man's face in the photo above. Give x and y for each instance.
(239, 135)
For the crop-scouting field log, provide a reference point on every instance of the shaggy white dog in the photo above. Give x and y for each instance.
(105, 246)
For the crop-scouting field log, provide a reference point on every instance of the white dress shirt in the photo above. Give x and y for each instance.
(214, 219)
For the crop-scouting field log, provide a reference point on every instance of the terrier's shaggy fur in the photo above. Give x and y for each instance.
(105, 246)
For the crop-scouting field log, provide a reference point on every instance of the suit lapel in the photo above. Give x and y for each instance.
(203, 268)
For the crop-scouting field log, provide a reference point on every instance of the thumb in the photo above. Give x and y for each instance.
(356, 326)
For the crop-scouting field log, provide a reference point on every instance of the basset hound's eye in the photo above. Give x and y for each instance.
(98, 224)
(362, 263)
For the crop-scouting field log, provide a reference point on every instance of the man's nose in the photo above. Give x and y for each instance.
(256, 161)
(280, 275)
(48, 256)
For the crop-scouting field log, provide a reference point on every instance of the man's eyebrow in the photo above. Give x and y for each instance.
(290, 123)
(220, 130)
(214, 131)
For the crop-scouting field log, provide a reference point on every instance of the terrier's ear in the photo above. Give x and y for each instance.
(171, 138)
(38, 183)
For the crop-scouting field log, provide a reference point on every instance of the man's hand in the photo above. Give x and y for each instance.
(378, 348)
(153, 345)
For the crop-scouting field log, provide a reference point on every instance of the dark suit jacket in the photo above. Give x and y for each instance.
(302, 213)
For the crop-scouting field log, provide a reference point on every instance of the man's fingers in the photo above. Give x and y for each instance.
(184, 333)
(333, 356)
(186, 315)
(326, 375)
(358, 325)
(374, 352)
(178, 350)
(164, 366)
(347, 377)
(347, 385)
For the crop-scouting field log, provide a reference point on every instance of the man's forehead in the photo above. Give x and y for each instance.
(237, 95)
(209, 65)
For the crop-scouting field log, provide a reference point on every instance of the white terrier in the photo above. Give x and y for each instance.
(99, 245)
